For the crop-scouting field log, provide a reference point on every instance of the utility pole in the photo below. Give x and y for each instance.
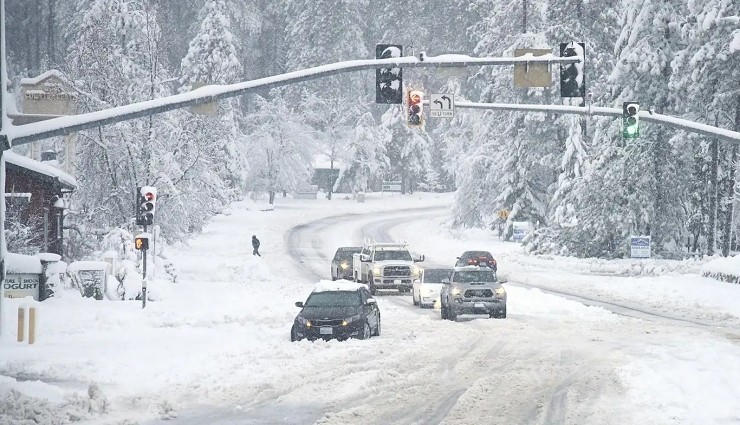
(524, 16)
(4, 143)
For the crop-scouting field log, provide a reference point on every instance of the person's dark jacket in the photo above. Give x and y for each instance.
(255, 242)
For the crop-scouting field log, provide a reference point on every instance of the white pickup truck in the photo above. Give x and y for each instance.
(386, 266)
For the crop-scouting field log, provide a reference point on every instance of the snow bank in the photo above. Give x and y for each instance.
(726, 269)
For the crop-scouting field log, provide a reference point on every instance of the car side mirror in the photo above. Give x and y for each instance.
(419, 259)
(364, 258)
(371, 301)
(457, 258)
(299, 304)
(446, 281)
(504, 280)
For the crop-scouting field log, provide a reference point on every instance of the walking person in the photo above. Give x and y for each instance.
(256, 246)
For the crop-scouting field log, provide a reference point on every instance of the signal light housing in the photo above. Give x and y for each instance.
(146, 205)
(630, 120)
(414, 108)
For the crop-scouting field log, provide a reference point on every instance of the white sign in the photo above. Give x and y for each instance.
(391, 187)
(520, 229)
(442, 105)
(640, 247)
(21, 285)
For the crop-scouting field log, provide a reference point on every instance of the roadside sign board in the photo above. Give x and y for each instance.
(520, 229)
(442, 105)
(532, 74)
(640, 247)
(391, 186)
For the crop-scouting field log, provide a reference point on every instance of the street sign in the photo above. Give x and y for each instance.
(532, 74)
(640, 247)
(520, 229)
(503, 214)
(442, 105)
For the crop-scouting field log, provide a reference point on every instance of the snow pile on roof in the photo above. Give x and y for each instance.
(726, 269)
(19, 263)
(45, 75)
(339, 285)
(88, 265)
(39, 167)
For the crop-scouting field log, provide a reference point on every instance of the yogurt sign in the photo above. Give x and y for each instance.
(21, 285)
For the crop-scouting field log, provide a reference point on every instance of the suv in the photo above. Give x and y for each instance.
(386, 266)
(341, 264)
(477, 258)
(473, 290)
(337, 311)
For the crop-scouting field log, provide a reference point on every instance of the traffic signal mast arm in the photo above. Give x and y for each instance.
(18, 135)
(667, 120)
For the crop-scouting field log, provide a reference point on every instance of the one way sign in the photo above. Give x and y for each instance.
(442, 105)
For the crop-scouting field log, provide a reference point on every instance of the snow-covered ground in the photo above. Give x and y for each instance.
(214, 347)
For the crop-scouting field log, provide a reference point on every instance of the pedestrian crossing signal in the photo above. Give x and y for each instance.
(141, 243)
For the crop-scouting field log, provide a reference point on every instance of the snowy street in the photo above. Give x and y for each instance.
(214, 346)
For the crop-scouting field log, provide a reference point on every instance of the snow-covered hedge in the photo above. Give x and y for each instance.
(726, 269)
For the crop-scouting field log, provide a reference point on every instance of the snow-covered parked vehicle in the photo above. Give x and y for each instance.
(386, 266)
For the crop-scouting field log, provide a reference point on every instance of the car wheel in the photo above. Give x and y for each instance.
(333, 278)
(499, 314)
(366, 334)
(443, 312)
(451, 315)
(413, 298)
(377, 328)
(293, 335)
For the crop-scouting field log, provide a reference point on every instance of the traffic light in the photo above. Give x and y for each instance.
(630, 120)
(145, 206)
(141, 242)
(388, 81)
(414, 108)
(572, 77)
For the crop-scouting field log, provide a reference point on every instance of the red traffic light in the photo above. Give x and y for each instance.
(149, 196)
(414, 98)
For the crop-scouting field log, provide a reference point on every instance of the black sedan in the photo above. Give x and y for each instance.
(341, 311)
(477, 258)
(341, 264)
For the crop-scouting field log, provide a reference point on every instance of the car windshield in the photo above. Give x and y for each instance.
(436, 275)
(468, 276)
(402, 255)
(333, 299)
(345, 254)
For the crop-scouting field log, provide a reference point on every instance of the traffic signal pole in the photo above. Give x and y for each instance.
(667, 120)
(143, 276)
(69, 124)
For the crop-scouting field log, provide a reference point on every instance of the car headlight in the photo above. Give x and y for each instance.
(349, 320)
(415, 270)
(304, 322)
(456, 291)
(500, 291)
(344, 266)
(377, 271)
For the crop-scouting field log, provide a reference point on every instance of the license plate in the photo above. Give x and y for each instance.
(325, 330)
(397, 281)
(480, 305)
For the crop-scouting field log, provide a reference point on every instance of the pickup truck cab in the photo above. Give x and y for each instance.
(386, 266)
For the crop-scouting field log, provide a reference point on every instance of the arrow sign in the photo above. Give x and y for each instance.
(442, 105)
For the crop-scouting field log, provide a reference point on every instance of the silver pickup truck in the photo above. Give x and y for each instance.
(386, 266)
(473, 290)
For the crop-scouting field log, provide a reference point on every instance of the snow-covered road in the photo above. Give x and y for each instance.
(214, 347)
